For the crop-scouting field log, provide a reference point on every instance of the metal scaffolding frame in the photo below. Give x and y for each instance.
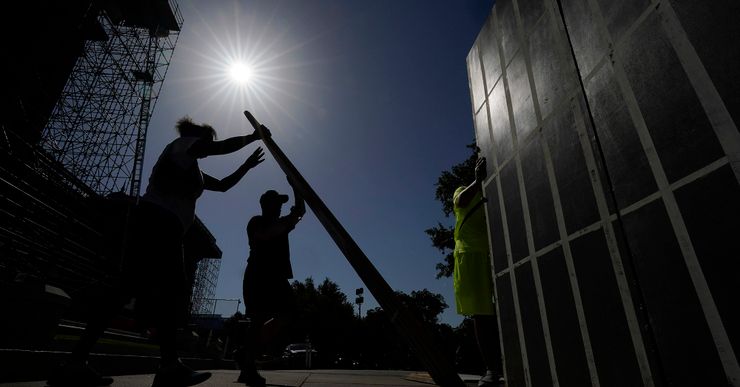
(93, 146)
(97, 130)
(204, 285)
(45, 215)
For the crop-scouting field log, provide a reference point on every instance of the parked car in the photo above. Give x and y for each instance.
(295, 355)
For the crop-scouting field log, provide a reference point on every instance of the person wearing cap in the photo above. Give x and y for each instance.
(268, 296)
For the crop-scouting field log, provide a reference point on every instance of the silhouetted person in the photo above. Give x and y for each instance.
(472, 276)
(153, 268)
(268, 297)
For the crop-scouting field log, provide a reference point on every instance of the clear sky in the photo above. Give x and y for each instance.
(370, 101)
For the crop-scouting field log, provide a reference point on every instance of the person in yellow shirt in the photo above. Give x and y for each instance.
(472, 278)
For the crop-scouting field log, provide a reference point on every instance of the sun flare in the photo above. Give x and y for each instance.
(242, 61)
(241, 73)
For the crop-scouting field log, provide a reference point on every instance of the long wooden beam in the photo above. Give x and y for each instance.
(420, 338)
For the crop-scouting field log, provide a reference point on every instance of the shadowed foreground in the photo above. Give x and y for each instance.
(295, 379)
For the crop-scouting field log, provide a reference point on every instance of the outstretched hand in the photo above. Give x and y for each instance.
(299, 209)
(266, 131)
(255, 135)
(256, 158)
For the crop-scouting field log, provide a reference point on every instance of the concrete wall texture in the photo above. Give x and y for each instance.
(610, 129)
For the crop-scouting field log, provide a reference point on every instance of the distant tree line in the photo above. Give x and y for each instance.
(343, 340)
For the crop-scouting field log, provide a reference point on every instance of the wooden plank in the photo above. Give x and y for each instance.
(420, 338)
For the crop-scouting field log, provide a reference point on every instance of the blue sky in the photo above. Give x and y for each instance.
(369, 100)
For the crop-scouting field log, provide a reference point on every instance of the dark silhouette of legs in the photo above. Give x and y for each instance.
(76, 371)
(153, 272)
(167, 338)
(247, 355)
(269, 304)
(157, 273)
(485, 333)
(96, 325)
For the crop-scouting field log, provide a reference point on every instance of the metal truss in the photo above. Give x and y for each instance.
(204, 286)
(97, 129)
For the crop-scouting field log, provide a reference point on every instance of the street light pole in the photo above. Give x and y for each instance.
(359, 300)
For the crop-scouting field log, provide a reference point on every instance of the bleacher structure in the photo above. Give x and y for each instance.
(74, 136)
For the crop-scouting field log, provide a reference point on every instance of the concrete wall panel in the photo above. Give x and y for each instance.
(684, 341)
(539, 196)
(614, 201)
(568, 348)
(509, 328)
(611, 340)
(672, 112)
(712, 219)
(496, 228)
(539, 367)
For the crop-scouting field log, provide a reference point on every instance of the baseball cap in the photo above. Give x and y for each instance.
(271, 196)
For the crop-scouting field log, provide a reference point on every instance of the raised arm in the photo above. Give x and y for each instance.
(286, 223)
(299, 208)
(279, 227)
(464, 198)
(212, 184)
(202, 148)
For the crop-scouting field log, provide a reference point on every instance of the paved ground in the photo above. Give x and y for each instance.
(307, 378)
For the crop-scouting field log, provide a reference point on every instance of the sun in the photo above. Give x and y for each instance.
(241, 73)
(245, 61)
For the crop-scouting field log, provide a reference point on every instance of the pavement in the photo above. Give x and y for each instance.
(293, 378)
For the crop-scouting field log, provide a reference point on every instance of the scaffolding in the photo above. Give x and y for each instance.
(204, 285)
(54, 219)
(47, 228)
(97, 130)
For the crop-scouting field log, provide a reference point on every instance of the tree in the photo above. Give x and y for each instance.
(382, 347)
(442, 236)
(424, 304)
(325, 317)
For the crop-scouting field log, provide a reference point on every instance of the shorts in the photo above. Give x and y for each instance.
(153, 267)
(473, 283)
(267, 296)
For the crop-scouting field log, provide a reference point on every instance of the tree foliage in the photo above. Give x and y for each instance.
(443, 239)
(424, 304)
(324, 316)
(442, 236)
(382, 347)
(343, 340)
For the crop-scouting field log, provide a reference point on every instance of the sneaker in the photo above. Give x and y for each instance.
(77, 374)
(490, 380)
(179, 375)
(251, 378)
